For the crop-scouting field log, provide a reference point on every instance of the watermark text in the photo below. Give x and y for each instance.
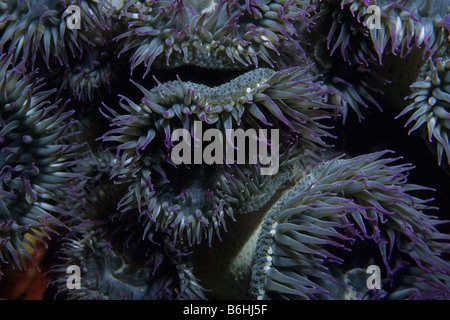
(191, 149)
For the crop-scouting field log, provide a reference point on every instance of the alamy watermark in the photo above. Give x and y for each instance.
(190, 150)
(373, 21)
(74, 278)
(74, 19)
(374, 279)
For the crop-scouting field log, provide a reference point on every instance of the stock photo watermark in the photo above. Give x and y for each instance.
(74, 19)
(190, 149)
(373, 20)
(74, 278)
(374, 279)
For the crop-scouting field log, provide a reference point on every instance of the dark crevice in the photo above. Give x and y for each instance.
(205, 76)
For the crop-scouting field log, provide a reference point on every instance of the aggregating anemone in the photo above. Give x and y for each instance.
(34, 156)
(343, 213)
(140, 225)
(430, 100)
(223, 34)
(35, 30)
(322, 215)
(116, 261)
(257, 95)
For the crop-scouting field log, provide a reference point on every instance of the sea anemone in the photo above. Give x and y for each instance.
(34, 158)
(92, 75)
(312, 240)
(115, 266)
(30, 28)
(431, 101)
(117, 260)
(334, 215)
(417, 23)
(353, 87)
(221, 34)
(290, 100)
(143, 222)
(357, 33)
(287, 100)
(95, 69)
(193, 200)
(346, 32)
(402, 27)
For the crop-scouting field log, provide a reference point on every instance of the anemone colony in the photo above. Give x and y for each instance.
(87, 116)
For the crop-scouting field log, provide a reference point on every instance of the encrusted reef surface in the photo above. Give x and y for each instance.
(117, 183)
